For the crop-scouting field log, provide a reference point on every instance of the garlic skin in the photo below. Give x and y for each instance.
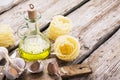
(20, 62)
(40, 69)
(3, 49)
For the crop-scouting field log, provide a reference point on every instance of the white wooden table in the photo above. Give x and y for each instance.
(96, 24)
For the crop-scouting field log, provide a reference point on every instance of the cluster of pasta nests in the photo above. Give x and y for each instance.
(65, 47)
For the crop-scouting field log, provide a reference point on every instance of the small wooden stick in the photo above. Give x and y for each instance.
(74, 70)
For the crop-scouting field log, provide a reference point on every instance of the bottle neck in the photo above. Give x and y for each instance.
(33, 26)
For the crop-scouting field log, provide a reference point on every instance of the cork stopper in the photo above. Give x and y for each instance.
(32, 13)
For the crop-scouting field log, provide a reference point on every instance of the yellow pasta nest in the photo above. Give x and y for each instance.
(6, 36)
(67, 48)
(60, 25)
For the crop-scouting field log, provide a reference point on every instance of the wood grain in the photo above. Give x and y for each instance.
(48, 9)
(1, 72)
(105, 61)
(9, 5)
(74, 70)
(94, 23)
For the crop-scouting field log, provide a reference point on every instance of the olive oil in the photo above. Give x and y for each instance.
(33, 57)
(34, 47)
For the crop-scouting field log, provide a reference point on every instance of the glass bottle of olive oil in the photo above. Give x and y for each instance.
(34, 45)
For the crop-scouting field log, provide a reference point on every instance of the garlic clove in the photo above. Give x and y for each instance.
(10, 76)
(53, 69)
(35, 67)
(12, 72)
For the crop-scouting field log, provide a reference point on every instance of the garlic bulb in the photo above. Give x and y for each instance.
(14, 67)
(67, 48)
(60, 25)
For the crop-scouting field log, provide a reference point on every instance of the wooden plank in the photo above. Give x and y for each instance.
(48, 9)
(1, 72)
(94, 23)
(9, 5)
(105, 61)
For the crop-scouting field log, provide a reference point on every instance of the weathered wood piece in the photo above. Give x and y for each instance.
(94, 23)
(73, 70)
(105, 61)
(48, 9)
